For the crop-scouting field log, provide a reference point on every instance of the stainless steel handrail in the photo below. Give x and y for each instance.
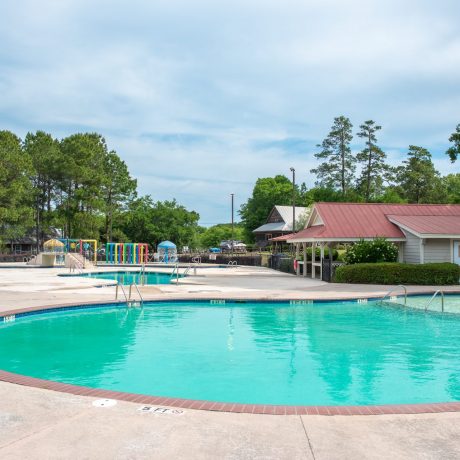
(175, 269)
(138, 292)
(394, 289)
(122, 290)
(439, 291)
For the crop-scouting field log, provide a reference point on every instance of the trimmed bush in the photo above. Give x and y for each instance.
(378, 250)
(396, 273)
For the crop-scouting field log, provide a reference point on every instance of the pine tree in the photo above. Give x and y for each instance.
(372, 159)
(454, 151)
(338, 169)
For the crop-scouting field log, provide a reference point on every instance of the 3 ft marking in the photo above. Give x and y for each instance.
(9, 318)
(217, 302)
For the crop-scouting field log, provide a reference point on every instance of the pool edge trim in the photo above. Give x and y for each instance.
(382, 409)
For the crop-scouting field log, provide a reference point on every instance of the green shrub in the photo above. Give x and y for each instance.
(335, 253)
(396, 273)
(378, 250)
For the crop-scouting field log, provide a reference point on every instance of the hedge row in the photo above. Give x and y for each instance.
(396, 273)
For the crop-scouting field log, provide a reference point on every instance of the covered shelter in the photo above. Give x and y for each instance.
(167, 252)
(423, 232)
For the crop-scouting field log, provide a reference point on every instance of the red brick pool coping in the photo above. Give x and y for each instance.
(77, 390)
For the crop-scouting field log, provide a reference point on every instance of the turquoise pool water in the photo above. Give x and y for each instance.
(269, 353)
(129, 277)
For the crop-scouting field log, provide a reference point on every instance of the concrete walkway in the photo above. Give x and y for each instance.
(42, 424)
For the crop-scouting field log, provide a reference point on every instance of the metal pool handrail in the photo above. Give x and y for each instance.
(175, 270)
(138, 292)
(394, 289)
(122, 290)
(439, 291)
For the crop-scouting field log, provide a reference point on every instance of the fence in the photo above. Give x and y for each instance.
(15, 257)
(282, 263)
(329, 268)
(253, 260)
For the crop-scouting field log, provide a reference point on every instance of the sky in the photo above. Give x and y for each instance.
(202, 97)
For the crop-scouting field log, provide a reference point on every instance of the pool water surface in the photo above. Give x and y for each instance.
(336, 353)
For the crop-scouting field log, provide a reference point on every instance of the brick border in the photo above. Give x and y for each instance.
(77, 390)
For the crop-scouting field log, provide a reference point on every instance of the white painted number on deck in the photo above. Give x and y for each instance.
(9, 318)
(300, 302)
(217, 302)
(362, 300)
(161, 410)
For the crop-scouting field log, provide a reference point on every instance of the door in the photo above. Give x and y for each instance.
(457, 252)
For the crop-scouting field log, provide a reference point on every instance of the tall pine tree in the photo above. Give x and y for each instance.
(372, 159)
(338, 169)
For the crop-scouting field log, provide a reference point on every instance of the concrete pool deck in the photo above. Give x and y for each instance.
(39, 423)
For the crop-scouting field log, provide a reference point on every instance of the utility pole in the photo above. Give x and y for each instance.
(233, 196)
(293, 199)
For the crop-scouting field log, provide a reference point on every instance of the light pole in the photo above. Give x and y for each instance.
(293, 199)
(233, 195)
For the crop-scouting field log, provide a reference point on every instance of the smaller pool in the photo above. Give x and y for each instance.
(129, 277)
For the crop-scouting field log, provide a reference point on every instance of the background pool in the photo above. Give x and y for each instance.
(129, 277)
(318, 354)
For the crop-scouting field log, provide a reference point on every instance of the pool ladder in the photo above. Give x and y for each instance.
(186, 271)
(393, 290)
(439, 291)
(130, 301)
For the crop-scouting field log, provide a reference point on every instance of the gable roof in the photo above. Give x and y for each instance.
(351, 221)
(285, 213)
(428, 225)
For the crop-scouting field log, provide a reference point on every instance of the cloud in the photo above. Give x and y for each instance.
(201, 98)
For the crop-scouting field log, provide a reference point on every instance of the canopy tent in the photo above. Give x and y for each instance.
(167, 252)
(54, 245)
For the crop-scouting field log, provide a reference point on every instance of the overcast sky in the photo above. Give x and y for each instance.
(202, 97)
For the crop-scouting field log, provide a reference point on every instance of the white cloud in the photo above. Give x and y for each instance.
(192, 94)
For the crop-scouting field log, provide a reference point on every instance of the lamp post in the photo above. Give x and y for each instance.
(293, 199)
(233, 195)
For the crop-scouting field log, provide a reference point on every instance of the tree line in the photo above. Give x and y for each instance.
(83, 189)
(364, 176)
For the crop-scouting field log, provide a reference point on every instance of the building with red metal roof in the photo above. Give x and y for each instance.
(423, 232)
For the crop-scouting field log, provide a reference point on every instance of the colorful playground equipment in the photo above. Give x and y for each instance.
(87, 248)
(126, 253)
(167, 252)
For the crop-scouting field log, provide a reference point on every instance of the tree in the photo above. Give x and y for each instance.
(81, 184)
(267, 192)
(151, 222)
(338, 169)
(15, 188)
(317, 194)
(44, 153)
(118, 189)
(418, 177)
(373, 161)
(454, 151)
(452, 185)
(212, 236)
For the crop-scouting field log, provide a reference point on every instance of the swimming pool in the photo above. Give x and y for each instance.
(329, 353)
(129, 277)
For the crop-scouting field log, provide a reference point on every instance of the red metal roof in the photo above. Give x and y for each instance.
(367, 220)
(283, 237)
(429, 225)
